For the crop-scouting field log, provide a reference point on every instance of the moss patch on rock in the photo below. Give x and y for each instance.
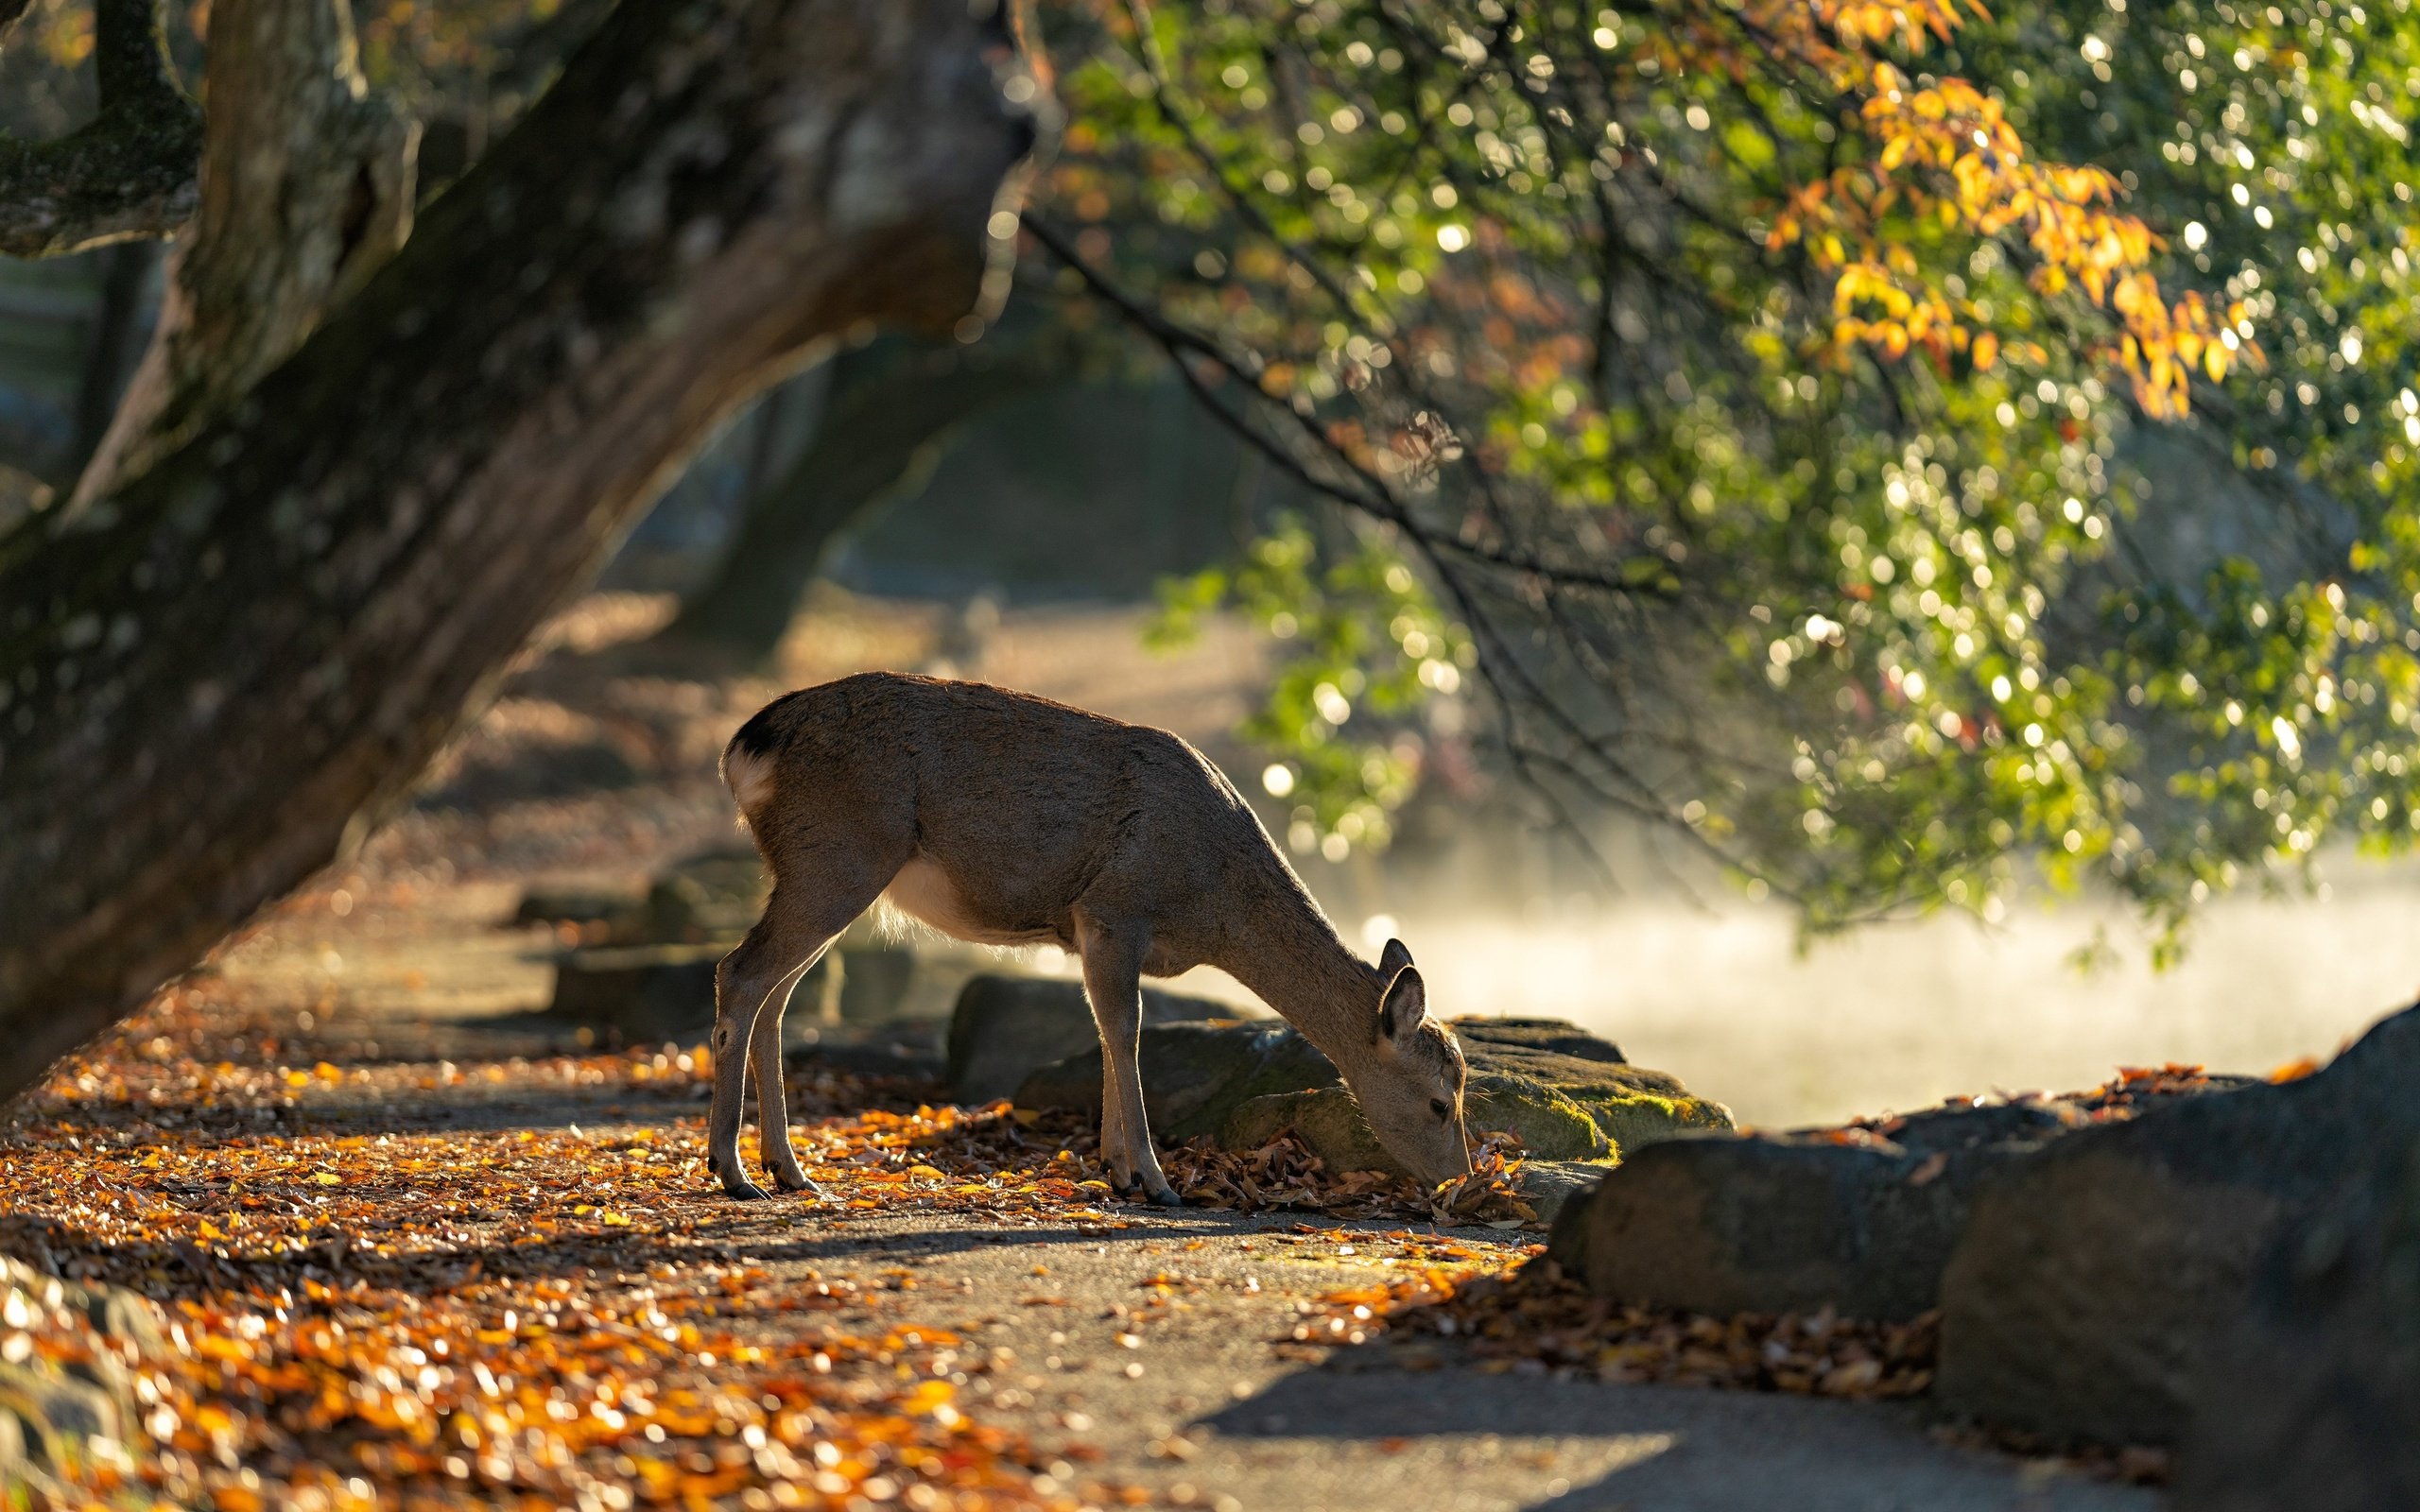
(1630, 1106)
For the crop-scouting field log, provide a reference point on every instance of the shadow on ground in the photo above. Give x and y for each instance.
(1673, 1449)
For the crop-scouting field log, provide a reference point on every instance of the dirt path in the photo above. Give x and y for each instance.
(1145, 1357)
(1212, 1405)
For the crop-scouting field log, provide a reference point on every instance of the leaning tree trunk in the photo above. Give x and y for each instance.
(890, 411)
(215, 677)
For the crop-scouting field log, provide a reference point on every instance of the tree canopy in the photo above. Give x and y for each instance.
(1870, 443)
(1879, 445)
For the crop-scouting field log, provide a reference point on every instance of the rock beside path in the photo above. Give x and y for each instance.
(1552, 1188)
(1859, 1222)
(2313, 1400)
(1533, 1072)
(715, 895)
(1569, 1095)
(1195, 1076)
(638, 995)
(711, 896)
(2092, 1282)
(1550, 1125)
(577, 903)
(1004, 1028)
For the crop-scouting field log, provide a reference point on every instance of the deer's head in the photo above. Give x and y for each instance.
(1409, 1082)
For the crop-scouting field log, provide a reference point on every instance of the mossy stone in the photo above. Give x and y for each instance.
(1567, 1093)
(1195, 1076)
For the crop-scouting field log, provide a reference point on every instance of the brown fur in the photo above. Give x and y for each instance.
(1006, 818)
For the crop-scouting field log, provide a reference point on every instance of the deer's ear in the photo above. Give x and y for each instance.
(1392, 959)
(1403, 1004)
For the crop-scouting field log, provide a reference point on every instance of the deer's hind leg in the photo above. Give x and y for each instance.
(1114, 985)
(817, 890)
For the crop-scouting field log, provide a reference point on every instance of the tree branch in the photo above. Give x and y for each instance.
(131, 172)
(306, 186)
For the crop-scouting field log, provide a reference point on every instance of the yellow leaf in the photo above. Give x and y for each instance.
(1986, 351)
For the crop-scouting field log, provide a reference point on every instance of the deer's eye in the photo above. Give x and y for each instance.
(1443, 1109)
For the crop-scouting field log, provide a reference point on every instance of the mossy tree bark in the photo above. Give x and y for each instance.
(218, 675)
(890, 411)
(131, 172)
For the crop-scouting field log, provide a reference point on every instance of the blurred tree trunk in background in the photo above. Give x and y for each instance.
(218, 671)
(116, 344)
(890, 412)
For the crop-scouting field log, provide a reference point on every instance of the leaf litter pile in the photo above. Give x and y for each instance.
(419, 1286)
(1534, 1320)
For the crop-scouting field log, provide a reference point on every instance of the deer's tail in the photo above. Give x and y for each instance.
(750, 761)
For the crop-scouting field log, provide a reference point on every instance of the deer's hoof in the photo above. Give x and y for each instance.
(743, 1190)
(796, 1180)
(1166, 1196)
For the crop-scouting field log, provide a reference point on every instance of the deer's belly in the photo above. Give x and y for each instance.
(923, 892)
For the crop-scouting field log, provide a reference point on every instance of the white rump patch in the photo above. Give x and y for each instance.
(750, 777)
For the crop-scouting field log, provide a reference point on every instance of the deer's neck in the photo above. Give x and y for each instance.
(1290, 956)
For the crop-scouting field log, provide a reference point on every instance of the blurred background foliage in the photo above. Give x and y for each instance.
(1888, 449)
(1827, 490)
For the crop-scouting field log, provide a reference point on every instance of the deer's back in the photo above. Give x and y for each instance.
(1027, 805)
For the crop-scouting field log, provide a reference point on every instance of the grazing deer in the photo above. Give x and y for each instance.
(1007, 820)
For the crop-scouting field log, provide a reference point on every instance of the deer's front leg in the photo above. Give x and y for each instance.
(1114, 983)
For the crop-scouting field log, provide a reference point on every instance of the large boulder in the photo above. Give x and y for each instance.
(2092, 1279)
(1562, 1090)
(1856, 1221)
(1004, 1028)
(57, 1417)
(2313, 1400)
